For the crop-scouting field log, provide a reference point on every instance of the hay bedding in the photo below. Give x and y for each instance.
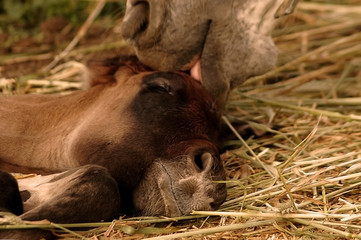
(297, 175)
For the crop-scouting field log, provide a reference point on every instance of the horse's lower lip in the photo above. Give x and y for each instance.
(195, 71)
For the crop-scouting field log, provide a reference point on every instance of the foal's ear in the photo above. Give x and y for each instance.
(100, 72)
(103, 71)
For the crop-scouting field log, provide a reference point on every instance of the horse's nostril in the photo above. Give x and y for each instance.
(136, 20)
(203, 161)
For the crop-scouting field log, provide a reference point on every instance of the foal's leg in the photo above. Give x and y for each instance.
(84, 194)
(11, 203)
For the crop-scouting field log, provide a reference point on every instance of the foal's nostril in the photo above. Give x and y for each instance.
(203, 161)
(214, 206)
(198, 161)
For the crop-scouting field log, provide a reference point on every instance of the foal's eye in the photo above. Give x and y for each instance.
(159, 85)
(158, 88)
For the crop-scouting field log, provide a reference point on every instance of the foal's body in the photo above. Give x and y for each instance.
(133, 137)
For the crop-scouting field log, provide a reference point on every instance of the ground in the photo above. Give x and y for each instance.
(294, 170)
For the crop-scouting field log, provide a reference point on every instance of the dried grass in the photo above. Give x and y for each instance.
(297, 175)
